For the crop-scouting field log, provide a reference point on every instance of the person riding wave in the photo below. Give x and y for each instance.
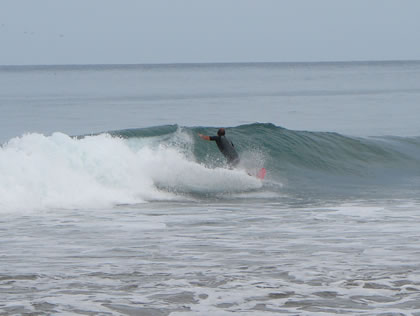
(225, 146)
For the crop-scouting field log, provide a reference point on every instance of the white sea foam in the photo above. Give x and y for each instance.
(59, 171)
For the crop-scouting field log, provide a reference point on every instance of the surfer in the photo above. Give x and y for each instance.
(225, 146)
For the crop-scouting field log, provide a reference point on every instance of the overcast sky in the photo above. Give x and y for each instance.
(179, 31)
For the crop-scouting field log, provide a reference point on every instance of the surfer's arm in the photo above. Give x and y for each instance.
(205, 137)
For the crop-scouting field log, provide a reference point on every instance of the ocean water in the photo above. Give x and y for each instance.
(111, 204)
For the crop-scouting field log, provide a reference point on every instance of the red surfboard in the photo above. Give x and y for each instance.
(261, 173)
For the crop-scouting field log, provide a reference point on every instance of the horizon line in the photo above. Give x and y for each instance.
(218, 63)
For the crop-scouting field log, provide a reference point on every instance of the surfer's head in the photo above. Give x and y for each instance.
(221, 132)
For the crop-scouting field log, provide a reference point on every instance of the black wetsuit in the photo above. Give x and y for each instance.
(227, 149)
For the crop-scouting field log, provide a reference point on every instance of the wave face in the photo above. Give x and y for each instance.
(171, 162)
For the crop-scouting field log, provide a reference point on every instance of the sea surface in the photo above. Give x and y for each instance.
(110, 203)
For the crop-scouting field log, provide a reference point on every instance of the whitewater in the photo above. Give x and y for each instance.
(111, 204)
(98, 171)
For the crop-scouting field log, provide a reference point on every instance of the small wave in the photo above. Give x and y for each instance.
(60, 171)
(171, 162)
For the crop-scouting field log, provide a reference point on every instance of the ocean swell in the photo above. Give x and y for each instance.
(171, 162)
